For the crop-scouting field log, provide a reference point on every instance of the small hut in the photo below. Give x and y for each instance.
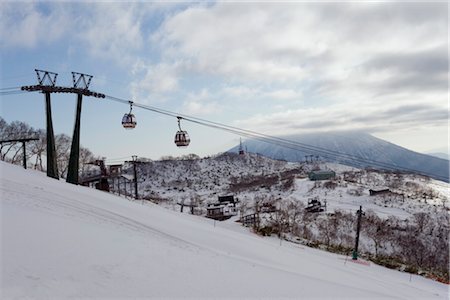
(321, 175)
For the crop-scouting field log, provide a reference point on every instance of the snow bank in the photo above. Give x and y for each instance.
(59, 240)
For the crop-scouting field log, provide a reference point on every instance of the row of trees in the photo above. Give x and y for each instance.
(419, 244)
(36, 151)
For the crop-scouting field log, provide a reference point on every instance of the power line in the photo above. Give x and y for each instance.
(7, 93)
(10, 88)
(286, 143)
(298, 146)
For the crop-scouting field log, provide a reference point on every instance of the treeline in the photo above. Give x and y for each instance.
(36, 151)
(419, 244)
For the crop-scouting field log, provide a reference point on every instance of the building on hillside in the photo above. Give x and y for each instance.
(227, 199)
(315, 206)
(224, 209)
(321, 175)
(386, 193)
(115, 170)
(220, 212)
(379, 191)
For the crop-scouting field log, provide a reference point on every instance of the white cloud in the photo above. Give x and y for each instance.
(319, 48)
(260, 92)
(237, 41)
(322, 65)
(200, 104)
(24, 25)
(391, 117)
(198, 108)
(112, 31)
(241, 91)
(156, 82)
(106, 30)
(285, 94)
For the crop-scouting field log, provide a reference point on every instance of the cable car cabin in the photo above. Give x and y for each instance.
(182, 139)
(129, 121)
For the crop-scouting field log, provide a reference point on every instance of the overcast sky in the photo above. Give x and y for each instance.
(276, 68)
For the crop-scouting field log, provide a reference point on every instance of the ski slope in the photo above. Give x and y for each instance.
(59, 241)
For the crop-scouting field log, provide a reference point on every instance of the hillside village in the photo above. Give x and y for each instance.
(405, 215)
(246, 176)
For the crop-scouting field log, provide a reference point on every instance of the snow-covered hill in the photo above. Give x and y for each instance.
(355, 144)
(207, 178)
(251, 176)
(285, 188)
(61, 241)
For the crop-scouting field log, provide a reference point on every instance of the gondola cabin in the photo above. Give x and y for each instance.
(129, 121)
(182, 139)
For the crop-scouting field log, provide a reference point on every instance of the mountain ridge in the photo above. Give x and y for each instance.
(353, 148)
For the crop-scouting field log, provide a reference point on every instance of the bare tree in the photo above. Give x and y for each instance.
(13, 151)
(38, 148)
(63, 143)
(376, 230)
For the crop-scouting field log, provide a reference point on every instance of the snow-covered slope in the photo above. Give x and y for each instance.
(179, 179)
(354, 144)
(251, 176)
(60, 241)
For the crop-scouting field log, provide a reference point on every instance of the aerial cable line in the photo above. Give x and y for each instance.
(10, 88)
(298, 146)
(240, 131)
(279, 141)
(7, 93)
(342, 157)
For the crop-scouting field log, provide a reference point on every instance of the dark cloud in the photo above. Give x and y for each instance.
(362, 20)
(417, 13)
(426, 62)
(409, 71)
(404, 114)
(413, 83)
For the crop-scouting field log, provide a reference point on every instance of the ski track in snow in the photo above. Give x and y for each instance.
(318, 274)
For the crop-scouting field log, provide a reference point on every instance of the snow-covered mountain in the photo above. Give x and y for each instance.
(439, 155)
(62, 241)
(369, 151)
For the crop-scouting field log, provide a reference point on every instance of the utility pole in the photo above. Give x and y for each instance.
(135, 177)
(359, 213)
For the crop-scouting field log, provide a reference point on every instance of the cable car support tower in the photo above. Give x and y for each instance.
(47, 85)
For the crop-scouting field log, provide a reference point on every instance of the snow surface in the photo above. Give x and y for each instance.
(60, 240)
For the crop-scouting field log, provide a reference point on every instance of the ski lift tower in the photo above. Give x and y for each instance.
(241, 149)
(47, 85)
